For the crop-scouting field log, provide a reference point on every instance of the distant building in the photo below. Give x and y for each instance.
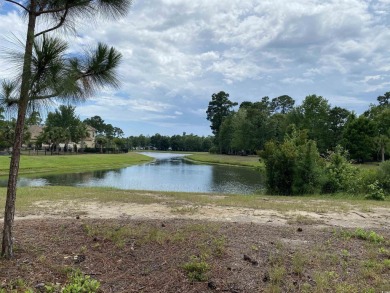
(88, 142)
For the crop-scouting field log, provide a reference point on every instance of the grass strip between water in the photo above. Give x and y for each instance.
(245, 161)
(57, 164)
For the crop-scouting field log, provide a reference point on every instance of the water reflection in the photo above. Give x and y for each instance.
(169, 172)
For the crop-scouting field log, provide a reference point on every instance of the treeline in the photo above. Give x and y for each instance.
(366, 137)
(184, 142)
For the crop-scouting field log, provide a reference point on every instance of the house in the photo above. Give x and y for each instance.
(88, 142)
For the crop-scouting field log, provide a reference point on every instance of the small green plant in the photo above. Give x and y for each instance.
(384, 251)
(80, 283)
(375, 191)
(303, 220)
(218, 245)
(370, 236)
(197, 269)
(345, 254)
(185, 210)
(386, 263)
(323, 280)
(298, 263)
(276, 274)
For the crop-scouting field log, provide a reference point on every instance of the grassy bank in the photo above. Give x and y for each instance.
(28, 197)
(72, 163)
(246, 161)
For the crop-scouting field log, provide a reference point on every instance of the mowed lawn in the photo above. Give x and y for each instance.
(72, 163)
(246, 161)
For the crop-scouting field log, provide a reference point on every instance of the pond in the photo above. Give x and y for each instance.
(168, 172)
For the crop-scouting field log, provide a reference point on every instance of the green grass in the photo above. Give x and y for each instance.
(72, 198)
(72, 163)
(246, 161)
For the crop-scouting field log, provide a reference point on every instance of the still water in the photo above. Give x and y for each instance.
(168, 172)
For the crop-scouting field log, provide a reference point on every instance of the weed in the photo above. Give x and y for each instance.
(197, 269)
(370, 236)
(375, 191)
(386, 263)
(384, 251)
(346, 288)
(362, 234)
(303, 220)
(276, 275)
(345, 254)
(81, 283)
(185, 210)
(323, 280)
(218, 245)
(298, 263)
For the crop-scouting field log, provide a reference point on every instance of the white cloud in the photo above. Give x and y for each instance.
(176, 53)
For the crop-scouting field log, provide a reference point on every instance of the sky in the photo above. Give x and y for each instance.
(177, 53)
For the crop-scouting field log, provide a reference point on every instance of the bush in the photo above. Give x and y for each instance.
(197, 269)
(80, 284)
(293, 167)
(384, 176)
(375, 192)
(340, 175)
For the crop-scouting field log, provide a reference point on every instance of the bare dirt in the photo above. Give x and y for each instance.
(131, 247)
(375, 218)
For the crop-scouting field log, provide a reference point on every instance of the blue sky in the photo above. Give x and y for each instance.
(177, 53)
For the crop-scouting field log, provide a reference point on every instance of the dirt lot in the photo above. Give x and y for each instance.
(155, 248)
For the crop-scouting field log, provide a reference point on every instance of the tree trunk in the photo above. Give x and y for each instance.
(383, 152)
(9, 214)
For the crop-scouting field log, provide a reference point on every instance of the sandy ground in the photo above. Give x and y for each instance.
(375, 218)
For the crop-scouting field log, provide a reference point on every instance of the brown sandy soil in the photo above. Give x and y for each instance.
(375, 218)
(131, 247)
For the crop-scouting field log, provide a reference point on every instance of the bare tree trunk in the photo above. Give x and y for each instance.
(9, 214)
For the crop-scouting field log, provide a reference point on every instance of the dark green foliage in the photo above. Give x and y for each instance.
(375, 192)
(359, 135)
(340, 175)
(308, 168)
(219, 108)
(384, 176)
(197, 269)
(292, 167)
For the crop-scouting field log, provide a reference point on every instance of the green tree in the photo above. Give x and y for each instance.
(54, 136)
(177, 143)
(219, 108)
(48, 74)
(34, 118)
(80, 134)
(338, 118)
(7, 133)
(294, 166)
(96, 122)
(282, 104)
(101, 142)
(66, 118)
(359, 137)
(384, 101)
(313, 115)
(225, 137)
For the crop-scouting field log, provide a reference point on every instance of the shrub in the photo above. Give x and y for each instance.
(375, 192)
(197, 269)
(340, 175)
(370, 236)
(80, 283)
(292, 167)
(384, 176)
